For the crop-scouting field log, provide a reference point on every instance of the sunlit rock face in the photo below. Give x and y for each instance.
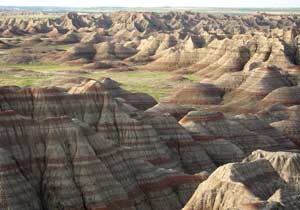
(197, 94)
(237, 185)
(264, 180)
(285, 163)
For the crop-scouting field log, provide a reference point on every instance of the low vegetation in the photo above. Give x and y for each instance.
(156, 84)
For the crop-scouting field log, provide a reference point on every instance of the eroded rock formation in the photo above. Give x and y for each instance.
(264, 180)
(85, 149)
(91, 145)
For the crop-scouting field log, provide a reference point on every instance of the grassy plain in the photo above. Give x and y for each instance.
(157, 84)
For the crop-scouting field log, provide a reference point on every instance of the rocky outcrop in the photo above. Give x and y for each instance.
(210, 45)
(81, 51)
(232, 139)
(285, 163)
(237, 186)
(111, 51)
(139, 100)
(289, 128)
(197, 94)
(89, 144)
(264, 180)
(284, 119)
(192, 155)
(251, 90)
(85, 149)
(69, 38)
(286, 95)
(262, 81)
(176, 110)
(92, 38)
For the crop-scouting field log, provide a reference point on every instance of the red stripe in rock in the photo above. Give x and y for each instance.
(159, 160)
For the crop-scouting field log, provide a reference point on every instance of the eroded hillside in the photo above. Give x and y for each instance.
(221, 132)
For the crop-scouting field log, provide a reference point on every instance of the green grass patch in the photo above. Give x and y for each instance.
(193, 77)
(156, 93)
(10, 38)
(156, 84)
(60, 47)
(152, 83)
(37, 66)
(9, 79)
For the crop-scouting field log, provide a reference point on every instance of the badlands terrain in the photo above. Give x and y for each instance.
(150, 111)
